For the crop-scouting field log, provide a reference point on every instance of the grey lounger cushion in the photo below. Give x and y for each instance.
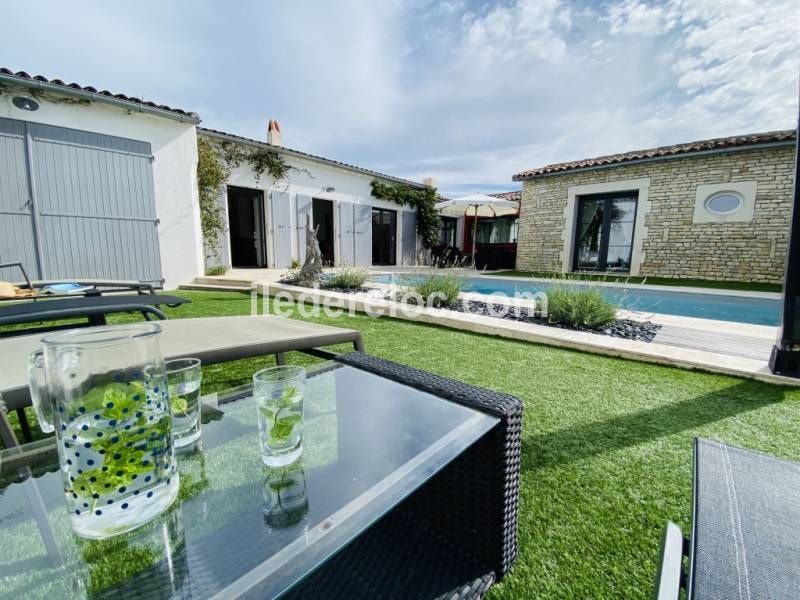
(211, 339)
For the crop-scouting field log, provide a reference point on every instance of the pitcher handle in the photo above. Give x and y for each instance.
(40, 397)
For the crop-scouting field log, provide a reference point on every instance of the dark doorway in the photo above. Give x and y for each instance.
(604, 232)
(323, 217)
(384, 236)
(247, 227)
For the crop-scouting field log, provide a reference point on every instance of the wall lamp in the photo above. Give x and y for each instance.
(25, 103)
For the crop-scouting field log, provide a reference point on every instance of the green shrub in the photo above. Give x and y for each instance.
(347, 278)
(440, 291)
(295, 264)
(216, 271)
(579, 307)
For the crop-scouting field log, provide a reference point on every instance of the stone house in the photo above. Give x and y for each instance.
(715, 209)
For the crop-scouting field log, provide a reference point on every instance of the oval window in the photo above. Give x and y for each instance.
(724, 203)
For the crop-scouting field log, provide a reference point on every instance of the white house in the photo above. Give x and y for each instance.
(95, 184)
(265, 218)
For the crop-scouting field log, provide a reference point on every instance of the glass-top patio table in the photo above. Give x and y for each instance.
(407, 481)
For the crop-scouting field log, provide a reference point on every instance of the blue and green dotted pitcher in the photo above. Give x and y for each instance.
(104, 392)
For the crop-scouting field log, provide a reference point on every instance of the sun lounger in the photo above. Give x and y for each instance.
(94, 308)
(211, 339)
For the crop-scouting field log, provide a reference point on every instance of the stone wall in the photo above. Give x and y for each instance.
(673, 245)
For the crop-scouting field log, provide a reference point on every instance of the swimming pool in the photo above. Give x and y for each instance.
(760, 311)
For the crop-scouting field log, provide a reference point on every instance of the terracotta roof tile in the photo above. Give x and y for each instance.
(516, 196)
(25, 79)
(726, 143)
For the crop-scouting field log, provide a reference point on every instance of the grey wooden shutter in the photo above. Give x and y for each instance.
(409, 241)
(17, 242)
(96, 204)
(90, 203)
(303, 204)
(346, 234)
(363, 235)
(281, 227)
(260, 233)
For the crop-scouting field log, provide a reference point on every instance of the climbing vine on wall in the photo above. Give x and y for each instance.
(211, 175)
(423, 199)
(215, 162)
(260, 160)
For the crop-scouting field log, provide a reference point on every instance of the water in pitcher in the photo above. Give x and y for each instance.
(117, 455)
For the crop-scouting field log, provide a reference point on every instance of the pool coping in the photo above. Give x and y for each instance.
(614, 284)
(651, 352)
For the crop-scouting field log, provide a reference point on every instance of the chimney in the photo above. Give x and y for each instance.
(274, 133)
(429, 181)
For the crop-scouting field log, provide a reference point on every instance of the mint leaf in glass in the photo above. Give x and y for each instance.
(179, 405)
(282, 428)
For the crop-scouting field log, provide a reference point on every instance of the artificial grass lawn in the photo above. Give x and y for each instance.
(607, 443)
(747, 286)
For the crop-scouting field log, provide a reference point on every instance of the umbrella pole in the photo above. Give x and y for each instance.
(475, 236)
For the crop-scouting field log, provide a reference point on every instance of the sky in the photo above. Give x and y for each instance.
(466, 92)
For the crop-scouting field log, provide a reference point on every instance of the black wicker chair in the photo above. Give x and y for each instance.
(468, 539)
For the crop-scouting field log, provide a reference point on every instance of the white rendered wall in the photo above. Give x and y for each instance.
(313, 178)
(174, 147)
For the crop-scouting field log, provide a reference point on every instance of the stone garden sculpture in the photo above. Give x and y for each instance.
(312, 267)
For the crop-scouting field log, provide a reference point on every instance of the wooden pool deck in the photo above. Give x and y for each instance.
(719, 342)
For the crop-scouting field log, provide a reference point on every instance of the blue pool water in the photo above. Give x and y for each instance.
(760, 311)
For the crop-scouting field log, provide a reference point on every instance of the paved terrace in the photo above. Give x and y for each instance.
(717, 346)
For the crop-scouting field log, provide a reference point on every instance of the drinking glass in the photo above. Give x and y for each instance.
(184, 376)
(104, 392)
(278, 393)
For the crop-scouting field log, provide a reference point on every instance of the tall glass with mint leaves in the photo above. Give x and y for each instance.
(278, 392)
(103, 390)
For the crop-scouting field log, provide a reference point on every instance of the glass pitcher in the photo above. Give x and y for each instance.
(104, 392)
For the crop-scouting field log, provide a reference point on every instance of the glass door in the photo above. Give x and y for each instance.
(384, 236)
(604, 232)
(621, 217)
(246, 225)
(589, 234)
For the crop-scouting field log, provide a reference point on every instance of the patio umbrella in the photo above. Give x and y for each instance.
(477, 205)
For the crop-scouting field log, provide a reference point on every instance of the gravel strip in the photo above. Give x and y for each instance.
(642, 331)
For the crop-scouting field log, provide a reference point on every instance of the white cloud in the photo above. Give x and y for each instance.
(634, 16)
(468, 93)
(736, 61)
(647, 75)
(739, 65)
(522, 31)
